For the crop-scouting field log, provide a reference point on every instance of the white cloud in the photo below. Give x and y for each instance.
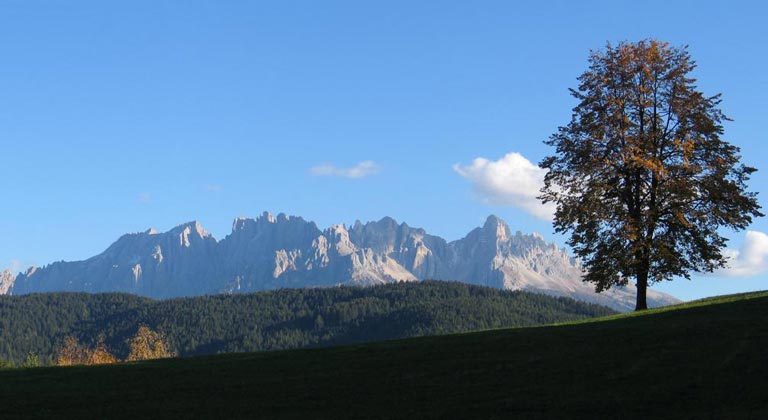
(360, 170)
(144, 197)
(510, 181)
(212, 188)
(750, 259)
(15, 266)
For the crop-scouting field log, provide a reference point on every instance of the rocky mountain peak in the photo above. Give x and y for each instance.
(190, 232)
(492, 222)
(337, 230)
(242, 223)
(338, 235)
(382, 236)
(193, 227)
(7, 278)
(496, 228)
(266, 217)
(387, 222)
(287, 251)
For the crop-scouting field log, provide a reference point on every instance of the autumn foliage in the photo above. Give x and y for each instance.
(642, 177)
(100, 355)
(72, 353)
(146, 344)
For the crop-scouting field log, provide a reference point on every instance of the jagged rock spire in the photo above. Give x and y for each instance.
(286, 251)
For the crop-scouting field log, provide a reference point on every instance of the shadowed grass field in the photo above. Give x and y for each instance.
(705, 359)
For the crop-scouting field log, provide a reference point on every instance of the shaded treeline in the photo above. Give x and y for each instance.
(283, 319)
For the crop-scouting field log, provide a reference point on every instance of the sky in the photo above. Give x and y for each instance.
(120, 116)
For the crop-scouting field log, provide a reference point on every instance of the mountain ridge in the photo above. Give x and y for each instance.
(272, 252)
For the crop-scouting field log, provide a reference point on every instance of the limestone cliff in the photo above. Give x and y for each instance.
(285, 251)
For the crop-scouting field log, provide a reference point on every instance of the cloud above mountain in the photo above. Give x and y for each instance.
(510, 181)
(14, 266)
(514, 181)
(361, 170)
(750, 259)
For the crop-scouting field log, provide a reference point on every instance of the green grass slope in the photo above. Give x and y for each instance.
(706, 359)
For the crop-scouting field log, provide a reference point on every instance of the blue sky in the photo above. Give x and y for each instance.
(118, 116)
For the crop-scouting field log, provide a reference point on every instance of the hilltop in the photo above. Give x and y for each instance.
(706, 359)
(274, 320)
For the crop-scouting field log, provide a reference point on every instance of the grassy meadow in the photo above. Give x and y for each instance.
(705, 359)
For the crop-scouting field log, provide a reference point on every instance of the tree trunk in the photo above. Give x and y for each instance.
(642, 286)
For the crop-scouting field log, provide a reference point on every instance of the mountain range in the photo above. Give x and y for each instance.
(289, 252)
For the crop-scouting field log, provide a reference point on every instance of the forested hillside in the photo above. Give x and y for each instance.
(282, 319)
(705, 359)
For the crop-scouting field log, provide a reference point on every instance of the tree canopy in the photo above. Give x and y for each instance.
(642, 179)
(81, 328)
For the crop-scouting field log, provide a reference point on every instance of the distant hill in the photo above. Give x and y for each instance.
(701, 360)
(277, 252)
(283, 319)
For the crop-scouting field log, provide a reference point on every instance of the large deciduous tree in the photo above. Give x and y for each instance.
(641, 177)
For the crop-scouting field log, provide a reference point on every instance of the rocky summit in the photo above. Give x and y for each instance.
(6, 281)
(285, 251)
